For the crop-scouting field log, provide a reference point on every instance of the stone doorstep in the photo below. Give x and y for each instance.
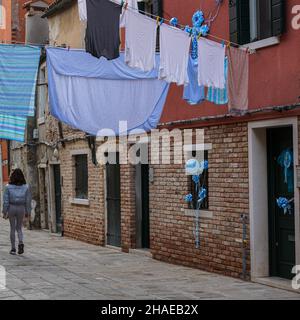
(141, 252)
(113, 248)
(278, 283)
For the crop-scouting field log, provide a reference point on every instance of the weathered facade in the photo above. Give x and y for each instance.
(242, 232)
(28, 27)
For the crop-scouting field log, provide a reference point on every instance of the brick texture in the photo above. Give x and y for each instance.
(172, 237)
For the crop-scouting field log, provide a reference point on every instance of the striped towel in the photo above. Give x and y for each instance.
(18, 75)
(219, 96)
(12, 127)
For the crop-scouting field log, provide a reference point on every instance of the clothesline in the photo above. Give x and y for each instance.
(57, 46)
(141, 11)
(161, 20)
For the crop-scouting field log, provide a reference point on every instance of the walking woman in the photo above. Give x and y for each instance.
(16, 205)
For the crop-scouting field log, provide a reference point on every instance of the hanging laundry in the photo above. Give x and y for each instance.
(12, 127)
(102, 33)
(18, 75)
(140, 44)
(82, 10)
(131, 4)
(193, 93)
(93, 94)
(174, 55)
(219, 96)
(211, 57)
(238, 79)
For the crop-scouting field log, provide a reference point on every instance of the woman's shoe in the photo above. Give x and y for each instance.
(21, 249)
(12, 251)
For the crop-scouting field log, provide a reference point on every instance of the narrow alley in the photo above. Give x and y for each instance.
(58, 268)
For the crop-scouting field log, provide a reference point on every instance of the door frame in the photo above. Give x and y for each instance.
(106, 206)
(44, 209)
(51, 201)
(258, 193)
(140, 204)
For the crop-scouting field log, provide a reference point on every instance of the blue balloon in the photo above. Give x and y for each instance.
(192, 167)
(188, 198)
(204, 30)
(198, 19)
(202, 194)
(284, 203)
(196, 179)
(174, 22)
(188, 29)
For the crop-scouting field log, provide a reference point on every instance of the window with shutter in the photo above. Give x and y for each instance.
(254, 20)
(278, 17)
(81, 176)
(153, 6)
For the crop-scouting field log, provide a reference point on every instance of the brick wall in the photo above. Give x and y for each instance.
(172, 238)
(127, 207)
(82, 222)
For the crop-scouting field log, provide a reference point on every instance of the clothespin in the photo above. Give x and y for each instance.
(157, 20)
(162, 21)
(228, 45)
(126, 5)
(122, 3)
(199, 36)
(223, 43)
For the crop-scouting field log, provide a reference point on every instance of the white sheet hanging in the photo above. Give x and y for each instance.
(174, 55)
(211, 57)
(140, 44)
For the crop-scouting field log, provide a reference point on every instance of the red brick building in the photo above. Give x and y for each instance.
(142, 207)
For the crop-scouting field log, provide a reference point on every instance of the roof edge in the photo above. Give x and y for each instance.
(57, 6)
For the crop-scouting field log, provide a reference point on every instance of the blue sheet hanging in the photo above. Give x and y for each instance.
(18, 74)
(92, 94)
(193, 93)
(12, 127)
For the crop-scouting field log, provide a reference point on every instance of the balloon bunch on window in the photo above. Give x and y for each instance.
(196, 169)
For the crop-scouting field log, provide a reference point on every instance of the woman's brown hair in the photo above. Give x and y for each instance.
(17, 178)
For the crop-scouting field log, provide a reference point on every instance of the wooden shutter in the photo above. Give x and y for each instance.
(239, 21)
(233, 21)
(278, 17)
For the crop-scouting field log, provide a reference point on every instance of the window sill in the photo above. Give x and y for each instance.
(82, 202)
(203, 213)
(262, 43)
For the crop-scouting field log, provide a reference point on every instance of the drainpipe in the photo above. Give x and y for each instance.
(244, 219)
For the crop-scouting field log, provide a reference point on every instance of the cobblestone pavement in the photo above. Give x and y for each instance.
(58, 268)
